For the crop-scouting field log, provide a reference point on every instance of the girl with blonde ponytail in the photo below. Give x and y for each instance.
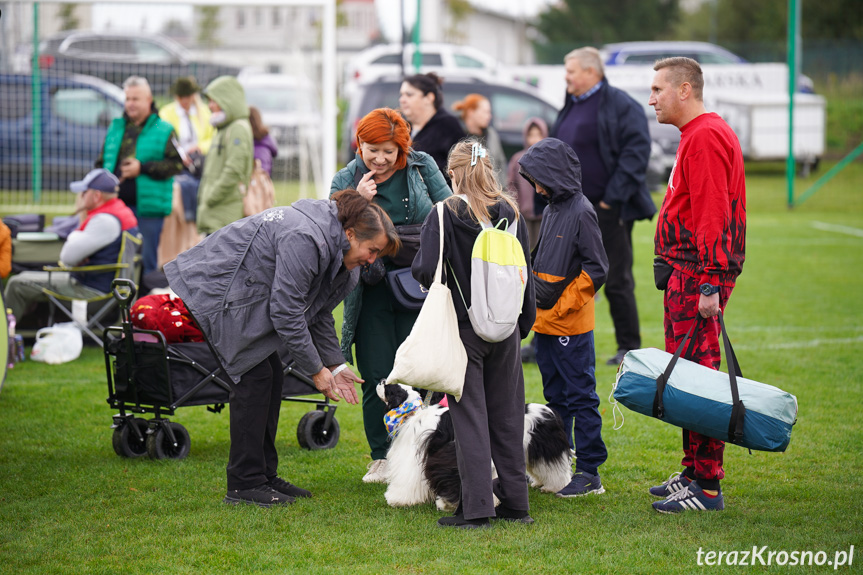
(489, 419)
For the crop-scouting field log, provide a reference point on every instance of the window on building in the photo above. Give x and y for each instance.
(241, 18)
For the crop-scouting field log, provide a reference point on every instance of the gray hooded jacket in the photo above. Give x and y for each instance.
(269, 283)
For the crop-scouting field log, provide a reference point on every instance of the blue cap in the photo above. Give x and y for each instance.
(99, 179)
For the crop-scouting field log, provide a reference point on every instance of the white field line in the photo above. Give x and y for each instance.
(804, 344)
(838, 229)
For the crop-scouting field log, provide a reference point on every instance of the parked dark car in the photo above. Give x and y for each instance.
(114, 56)
(511, 106)
(75, 113)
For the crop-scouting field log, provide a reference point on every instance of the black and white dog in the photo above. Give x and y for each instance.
(421, 463)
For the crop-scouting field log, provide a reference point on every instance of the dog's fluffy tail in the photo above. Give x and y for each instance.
(547, 454)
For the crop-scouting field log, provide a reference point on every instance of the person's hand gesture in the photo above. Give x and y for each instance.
(130, 168)
(342, 385)
(326, 384)
(367, 187)
(345, 383)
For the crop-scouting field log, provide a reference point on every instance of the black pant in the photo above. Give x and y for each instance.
(620, 284)
(489, 426)
(255, 405)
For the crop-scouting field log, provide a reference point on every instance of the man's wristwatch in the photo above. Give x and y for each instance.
(708, 289)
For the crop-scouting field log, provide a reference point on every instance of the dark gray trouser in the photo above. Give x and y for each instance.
(620, 283)
(489, 426)
(254, 414)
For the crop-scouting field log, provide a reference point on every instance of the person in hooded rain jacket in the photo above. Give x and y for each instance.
(262, 290)
(570, 265)
(229, 162)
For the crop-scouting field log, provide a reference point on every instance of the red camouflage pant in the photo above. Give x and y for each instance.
(702, 455)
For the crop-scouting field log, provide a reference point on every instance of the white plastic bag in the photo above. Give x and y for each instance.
(58, 344)
(433, 356)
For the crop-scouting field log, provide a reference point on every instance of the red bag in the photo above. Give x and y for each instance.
(167, 314)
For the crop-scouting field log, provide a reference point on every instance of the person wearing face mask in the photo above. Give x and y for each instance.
(139, 150)
(406, 184)
(475, 112)
(262, 290)
(433, 129)
(229, 162)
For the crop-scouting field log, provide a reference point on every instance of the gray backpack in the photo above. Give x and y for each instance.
(498, 274)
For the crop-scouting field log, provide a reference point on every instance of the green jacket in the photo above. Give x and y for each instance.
(426, 187)
(153, 196)
(229, 162)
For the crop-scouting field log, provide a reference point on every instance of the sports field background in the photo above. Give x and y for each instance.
(68, 504)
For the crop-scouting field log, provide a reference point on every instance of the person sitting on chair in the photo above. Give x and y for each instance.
(96, 241)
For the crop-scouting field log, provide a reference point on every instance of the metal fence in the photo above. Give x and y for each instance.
(60, 92)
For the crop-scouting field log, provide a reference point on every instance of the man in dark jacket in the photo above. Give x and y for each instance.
(569, 265)
(608, 131)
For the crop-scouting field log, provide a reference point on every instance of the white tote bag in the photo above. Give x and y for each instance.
(433, 356)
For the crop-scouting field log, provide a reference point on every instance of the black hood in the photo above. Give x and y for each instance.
(555, 166)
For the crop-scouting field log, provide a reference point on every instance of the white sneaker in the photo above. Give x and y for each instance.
(377, 472)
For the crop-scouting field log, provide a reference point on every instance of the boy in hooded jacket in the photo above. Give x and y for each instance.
(570, 265)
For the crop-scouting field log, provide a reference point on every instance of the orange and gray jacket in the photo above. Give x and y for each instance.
(570, 240)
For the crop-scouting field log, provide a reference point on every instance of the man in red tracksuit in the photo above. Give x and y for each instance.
(700, 235)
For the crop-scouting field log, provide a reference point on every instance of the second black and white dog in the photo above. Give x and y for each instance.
(421, 462)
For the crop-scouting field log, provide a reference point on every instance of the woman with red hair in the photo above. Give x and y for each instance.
(405, 183)
(475, 111)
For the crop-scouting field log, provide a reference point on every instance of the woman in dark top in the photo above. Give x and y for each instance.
(433, 130)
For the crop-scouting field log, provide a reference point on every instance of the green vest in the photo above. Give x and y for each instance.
(153, 196)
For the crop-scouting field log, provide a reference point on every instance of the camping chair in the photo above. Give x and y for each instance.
(128, 266)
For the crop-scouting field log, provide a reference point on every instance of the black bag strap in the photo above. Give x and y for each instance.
(738, 410)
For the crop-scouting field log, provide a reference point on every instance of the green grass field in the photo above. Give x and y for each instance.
(68, 504)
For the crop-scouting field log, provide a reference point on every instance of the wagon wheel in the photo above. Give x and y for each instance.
(125, 440)
(311, 432)
(161, 446)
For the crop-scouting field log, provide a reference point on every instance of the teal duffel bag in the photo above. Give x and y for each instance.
(712, 403)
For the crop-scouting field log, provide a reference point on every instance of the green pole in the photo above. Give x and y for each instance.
(36, 106)
(793, 23)
(417, 56)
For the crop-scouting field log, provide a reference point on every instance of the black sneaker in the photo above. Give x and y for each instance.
(462, 523)
(262, 496)
(288, 488)
(506, 514)
(528, 353)
(582, 484)
(618, 357)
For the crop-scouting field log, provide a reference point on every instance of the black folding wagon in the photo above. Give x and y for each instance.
(147, 375)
